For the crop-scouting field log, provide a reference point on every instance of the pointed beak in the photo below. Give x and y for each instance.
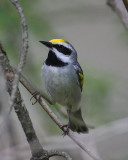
(47, 44)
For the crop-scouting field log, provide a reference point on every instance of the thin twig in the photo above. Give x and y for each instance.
(27, 85)
(82, 146)
(120, 6)
(23, 52)
(57, 153)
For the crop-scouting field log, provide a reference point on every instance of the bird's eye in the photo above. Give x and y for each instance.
(64, 50)
(61, 47)
(58, 47)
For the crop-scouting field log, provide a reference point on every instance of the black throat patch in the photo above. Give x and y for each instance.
(53, 60)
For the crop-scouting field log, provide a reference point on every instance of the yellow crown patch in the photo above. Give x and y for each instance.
(58, 41)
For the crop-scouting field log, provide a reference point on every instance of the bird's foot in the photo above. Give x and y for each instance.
(34, 94)
(37, 93)
(65, 128)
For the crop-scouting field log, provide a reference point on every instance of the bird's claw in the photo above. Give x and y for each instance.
(65, 128)
(34, 94)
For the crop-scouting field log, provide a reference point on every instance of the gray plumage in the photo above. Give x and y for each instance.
(63, 84)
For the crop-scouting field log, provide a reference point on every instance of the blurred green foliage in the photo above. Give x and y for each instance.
(10, 28)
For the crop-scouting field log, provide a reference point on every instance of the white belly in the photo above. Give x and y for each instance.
(62, 86)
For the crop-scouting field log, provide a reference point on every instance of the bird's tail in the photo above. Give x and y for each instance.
(77, 123)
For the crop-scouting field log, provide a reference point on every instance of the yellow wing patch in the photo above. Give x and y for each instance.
(54, 41)
(81, 76)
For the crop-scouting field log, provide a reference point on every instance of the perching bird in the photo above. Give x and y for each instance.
(63, 79)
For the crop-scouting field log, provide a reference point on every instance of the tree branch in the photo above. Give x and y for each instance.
(121, 7)
(62, 154)
(21, 111)
(23, 53)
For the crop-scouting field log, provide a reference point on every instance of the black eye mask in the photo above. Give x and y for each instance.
(64, 50)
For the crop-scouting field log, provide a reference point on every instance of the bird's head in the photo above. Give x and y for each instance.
(62, 49)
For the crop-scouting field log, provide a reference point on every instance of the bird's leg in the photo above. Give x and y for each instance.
(34, 94)
(66, 131)
(68, 126)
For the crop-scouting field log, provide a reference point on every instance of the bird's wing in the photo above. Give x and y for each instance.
(80, 75)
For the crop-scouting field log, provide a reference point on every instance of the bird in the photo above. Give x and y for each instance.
(63, 80)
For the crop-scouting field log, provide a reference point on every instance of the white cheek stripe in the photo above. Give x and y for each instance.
(61, 56)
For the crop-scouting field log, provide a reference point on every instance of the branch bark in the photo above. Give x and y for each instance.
(23, 52)
(121, 7)
(21, 111)
(62, 154)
